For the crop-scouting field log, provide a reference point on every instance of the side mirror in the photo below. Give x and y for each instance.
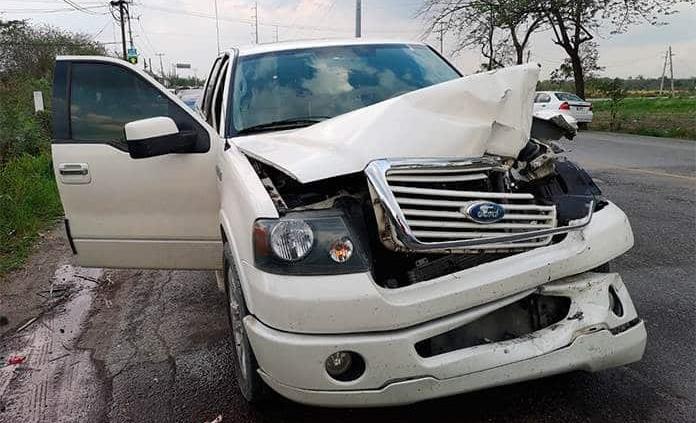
(157, 136)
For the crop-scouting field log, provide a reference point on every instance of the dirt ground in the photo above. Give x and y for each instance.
(24, 292)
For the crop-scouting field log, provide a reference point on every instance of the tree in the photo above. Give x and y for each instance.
(615, 91)
(575, 22)
(491, 25)
(27, 56)
(589, 57)
(30, 52)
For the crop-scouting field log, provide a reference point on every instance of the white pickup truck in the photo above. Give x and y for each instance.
(387, 230)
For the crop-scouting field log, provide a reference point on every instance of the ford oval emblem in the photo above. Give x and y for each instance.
(484, 212)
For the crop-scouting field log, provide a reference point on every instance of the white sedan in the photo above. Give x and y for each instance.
(565, 103)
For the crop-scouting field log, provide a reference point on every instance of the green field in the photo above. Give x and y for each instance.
(661, 117)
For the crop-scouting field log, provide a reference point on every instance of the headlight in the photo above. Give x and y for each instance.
(291, 240)
(308, 243)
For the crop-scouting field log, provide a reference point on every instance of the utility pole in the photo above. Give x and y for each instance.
(671, 73)
(442, 37)
(217, 27)
(161, 65)
(130, 32)
(490, 42)
(256, 21)
(120, 3)
(358, 18)
(662, 79)
(668, 58)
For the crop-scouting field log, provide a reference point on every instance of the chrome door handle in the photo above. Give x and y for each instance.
(81, 171)
(74, 173)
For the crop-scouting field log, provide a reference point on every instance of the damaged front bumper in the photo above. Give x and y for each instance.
(590, 336)
(354, 303)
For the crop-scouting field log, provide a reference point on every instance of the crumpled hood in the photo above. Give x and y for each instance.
(483, 113)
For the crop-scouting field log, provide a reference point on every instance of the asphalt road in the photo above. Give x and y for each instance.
(155, 346)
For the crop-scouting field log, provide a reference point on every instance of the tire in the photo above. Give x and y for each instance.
(583, 126)
(250, 383)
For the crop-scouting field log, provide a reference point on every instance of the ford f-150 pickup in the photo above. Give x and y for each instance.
(385, 229)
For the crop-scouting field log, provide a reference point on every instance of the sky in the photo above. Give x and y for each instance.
(184, 31)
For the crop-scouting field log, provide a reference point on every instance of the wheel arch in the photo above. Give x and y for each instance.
(231, 242)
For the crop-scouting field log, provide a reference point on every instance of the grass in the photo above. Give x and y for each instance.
(29, 203)
(661, 117)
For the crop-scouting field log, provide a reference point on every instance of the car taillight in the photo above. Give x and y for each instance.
(564, 106)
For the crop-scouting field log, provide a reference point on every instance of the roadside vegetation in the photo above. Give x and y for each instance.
(636, 105)
(29, 200)
(660, 117)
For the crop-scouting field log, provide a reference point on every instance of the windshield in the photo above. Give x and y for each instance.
(309, 85)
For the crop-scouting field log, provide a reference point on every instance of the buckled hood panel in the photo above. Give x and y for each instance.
(467, 117)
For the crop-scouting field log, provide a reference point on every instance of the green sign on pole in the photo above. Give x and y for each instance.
(133, 55)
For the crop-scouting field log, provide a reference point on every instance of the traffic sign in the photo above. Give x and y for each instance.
(133, 55)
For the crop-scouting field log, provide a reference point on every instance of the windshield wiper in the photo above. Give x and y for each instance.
(284, 124)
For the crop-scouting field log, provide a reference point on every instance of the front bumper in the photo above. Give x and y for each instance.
(591, 337)
(354, 303)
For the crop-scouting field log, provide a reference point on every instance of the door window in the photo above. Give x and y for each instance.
(105, 96)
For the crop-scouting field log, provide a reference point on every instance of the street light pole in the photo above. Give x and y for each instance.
(217, 27)
(256, 21)
(161, 65)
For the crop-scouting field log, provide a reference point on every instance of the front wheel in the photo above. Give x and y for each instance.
(245, 366)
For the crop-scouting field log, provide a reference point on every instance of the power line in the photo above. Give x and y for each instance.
(94, 37)
(61, 10)
(244, 21)
(153, 50)
(80, 8)
(324, 16)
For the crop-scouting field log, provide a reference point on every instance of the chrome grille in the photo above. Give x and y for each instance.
(418, 205)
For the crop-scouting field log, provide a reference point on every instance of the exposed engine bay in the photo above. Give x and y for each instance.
(476, 179)
(538, 189)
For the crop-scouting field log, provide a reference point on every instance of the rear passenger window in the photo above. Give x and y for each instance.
(208, 93)
(542, 98)
(103, 98)
(217, 99)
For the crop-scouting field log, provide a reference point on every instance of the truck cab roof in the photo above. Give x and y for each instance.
(252, 49)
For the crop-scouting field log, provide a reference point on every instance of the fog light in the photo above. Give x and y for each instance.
(341, 250)
(338, 363)
(345, 366)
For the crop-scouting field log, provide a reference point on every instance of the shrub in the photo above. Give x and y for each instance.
(29, 202)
